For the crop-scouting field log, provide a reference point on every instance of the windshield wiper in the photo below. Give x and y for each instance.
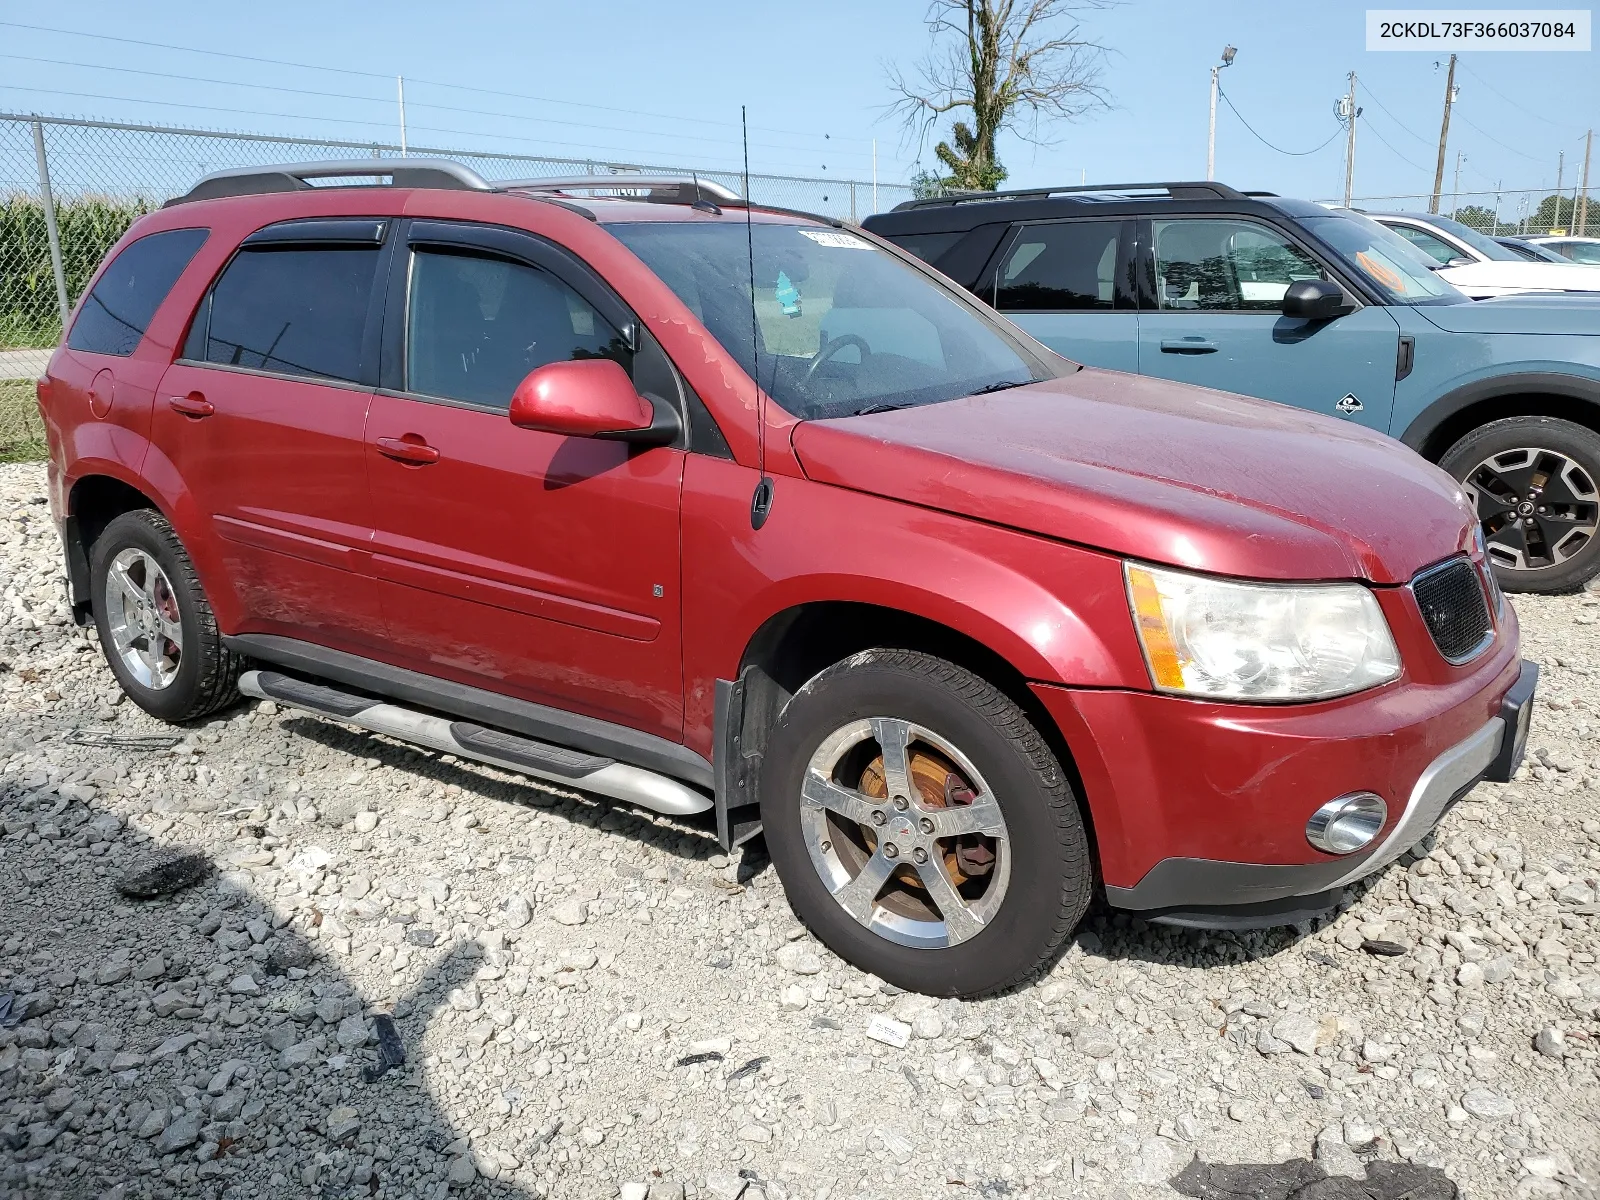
(1001, 386)
(876, 408)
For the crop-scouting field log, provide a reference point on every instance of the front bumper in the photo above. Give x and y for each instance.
(1200, 809)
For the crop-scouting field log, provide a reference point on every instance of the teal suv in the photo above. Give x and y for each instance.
(1330, 311)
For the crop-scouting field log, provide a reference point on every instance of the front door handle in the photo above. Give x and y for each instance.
(1188, 346)
(193, 405)
(408, 449)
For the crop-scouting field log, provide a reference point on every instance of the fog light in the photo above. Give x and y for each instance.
(1347, 824)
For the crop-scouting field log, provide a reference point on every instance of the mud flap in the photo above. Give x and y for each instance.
(737, 767)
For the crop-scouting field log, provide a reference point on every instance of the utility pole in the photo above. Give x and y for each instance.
(1444, 133)
(1583, 201)
(1211, 138)
(1455, 189)
(400, 83)
(1350, 112)
(1561, 167)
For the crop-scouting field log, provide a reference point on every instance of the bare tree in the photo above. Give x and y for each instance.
(1012, 64)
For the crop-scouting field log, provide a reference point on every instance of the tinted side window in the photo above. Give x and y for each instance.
(1070, 265)
(477, 325)
(929, 247)
(117, 312)
(294, 311)
(1433, 247)
(1226, 265)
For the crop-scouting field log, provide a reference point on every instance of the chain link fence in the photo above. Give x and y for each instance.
(1525, 212)
(102, 175)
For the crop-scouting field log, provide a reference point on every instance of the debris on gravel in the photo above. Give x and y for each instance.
(403, 975)
(163, 874)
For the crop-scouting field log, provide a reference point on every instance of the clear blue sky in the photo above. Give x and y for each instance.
(662, 83)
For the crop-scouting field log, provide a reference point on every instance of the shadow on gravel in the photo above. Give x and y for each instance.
(1299, 1179)
(165, 1047)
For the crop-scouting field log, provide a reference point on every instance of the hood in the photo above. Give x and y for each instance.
(1544, 312)
(1149, 469)
(1529, 276)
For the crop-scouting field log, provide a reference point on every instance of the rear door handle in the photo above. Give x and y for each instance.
(408, 449)
(193, 405)
(1188, 346)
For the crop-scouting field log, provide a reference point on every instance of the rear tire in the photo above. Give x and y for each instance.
(963, 913)
(1541, 470)
(156, 627)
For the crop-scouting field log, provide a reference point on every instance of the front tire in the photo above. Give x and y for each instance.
(1535, 482)
(156, 627)
(922, 827)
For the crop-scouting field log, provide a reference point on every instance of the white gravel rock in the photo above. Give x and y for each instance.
(359, 882)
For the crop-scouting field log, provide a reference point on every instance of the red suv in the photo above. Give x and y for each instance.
(709, 507)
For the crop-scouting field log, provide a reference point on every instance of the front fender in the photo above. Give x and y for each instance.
(1489, 382)
(1056, 613)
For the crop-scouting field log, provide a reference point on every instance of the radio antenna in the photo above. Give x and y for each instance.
(761, 502)
(755, 335)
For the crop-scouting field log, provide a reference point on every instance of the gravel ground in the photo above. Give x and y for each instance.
(594, 1002)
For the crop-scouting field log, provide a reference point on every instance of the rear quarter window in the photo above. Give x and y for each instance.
(118, 310)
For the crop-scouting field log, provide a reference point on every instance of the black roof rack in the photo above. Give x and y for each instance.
(442, 173)
(1178, 191)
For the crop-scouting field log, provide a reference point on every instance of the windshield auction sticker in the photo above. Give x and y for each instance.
(1478, 29)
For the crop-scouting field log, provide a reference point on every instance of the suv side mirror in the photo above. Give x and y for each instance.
(1459, 260)
(589, 397)
(1315, 300)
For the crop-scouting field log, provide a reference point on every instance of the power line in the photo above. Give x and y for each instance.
(386, 101)
(586, 147)
(1530, 112)
(277, 62)
(1263, 141)
(1465, 120)
(1373, 129)
(1373, 97)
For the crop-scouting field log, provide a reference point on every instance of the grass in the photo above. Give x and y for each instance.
(89, 225)
(21, 430)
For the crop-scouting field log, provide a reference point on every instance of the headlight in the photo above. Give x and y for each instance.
(1254, 641)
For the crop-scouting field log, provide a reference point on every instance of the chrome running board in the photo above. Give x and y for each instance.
(509, 751)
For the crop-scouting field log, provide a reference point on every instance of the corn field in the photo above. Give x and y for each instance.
(89, 225)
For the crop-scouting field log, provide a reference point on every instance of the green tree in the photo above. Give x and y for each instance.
(1011, 64)
(1554, 212)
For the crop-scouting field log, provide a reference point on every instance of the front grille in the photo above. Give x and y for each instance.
(1453, 606)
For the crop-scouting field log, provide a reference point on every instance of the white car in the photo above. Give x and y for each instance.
(1481, 267)
(1584, 250)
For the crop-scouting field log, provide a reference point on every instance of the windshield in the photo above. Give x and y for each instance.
(1482, 243)
(1399, 271)
(841, 325)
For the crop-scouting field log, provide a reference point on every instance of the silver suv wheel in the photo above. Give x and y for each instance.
(905, 833)
(143, 619)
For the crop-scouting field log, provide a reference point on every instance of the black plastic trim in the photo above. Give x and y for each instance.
(508, 747)
(1191, 883)
(1515, 740)
(313, 695)
(1291, 910)
(321, 231)
(734, 796)
(539, 721)
(1574, 387)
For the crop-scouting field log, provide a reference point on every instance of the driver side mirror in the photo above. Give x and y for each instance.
(590, 397)
(1459, 260)
(1315, 300)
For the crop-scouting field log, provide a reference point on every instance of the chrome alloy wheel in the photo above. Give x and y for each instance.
(905, 833)
(1538, 507)
(142, 615)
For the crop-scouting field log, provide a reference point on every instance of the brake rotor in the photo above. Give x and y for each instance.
(938, 785)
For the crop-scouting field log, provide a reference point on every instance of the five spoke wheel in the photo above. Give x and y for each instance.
(1538, 507)
(143, 619)
(905, 833)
